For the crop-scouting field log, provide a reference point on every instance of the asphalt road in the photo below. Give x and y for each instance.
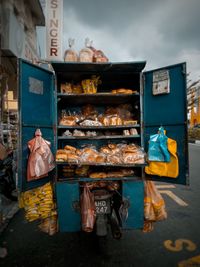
(173, 241)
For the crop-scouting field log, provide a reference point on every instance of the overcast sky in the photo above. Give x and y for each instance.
(162, 32)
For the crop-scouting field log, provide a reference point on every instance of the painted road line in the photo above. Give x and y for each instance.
(165, 186)
(194, 261)
(179, 245)
(178, 200)
(194, 144)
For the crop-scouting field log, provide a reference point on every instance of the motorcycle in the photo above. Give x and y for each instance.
(106, 213)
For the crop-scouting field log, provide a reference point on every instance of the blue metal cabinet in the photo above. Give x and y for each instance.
(169, 111)
(36, 110)
(68, 206)
(38, 104)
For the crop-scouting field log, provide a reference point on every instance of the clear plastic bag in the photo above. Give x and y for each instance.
(87, 210)
(86, 54)
(70, 54)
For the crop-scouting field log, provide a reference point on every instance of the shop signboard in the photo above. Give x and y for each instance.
(54, 20)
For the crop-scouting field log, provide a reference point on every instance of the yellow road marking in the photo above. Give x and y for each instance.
(178, 245)
(165, 186)
(194, 261)
(178, 200)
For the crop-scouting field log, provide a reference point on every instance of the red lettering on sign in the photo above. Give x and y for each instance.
(53, 52)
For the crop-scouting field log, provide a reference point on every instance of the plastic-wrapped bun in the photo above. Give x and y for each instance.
(86, 54)
(70, 54)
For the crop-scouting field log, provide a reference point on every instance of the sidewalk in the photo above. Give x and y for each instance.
(8, 209)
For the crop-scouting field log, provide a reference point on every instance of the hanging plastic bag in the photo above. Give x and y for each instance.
(70, 54)
(167, 169)
(154, 206)
(41, 160)
(158, 150)
(87, 209)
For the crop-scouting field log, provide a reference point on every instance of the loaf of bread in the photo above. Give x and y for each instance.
(98, 175)
(122, 91)
(61, 155)
(68, 120)
(70, 148)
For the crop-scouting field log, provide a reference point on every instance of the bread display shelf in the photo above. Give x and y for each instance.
(99, 127)
(98, 137)
(88, 179)
(105, 98)
(102, 164)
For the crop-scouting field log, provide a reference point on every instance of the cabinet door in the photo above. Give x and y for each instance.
(67, 195)
(167, 109)
(133, 192)
(36, 110)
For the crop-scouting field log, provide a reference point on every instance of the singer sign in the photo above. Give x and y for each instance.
(54, 22)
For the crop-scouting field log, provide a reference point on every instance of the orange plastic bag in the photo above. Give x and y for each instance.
(154, 205)
(87, 210)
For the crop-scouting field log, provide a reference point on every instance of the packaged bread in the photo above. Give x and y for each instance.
(91, 133)
(72, 158)
(90, 123)
(70, 54)
(86, 54)
(90, 85)
(133, 131)
(66, 88)
(105, 150)
(68, 120)
(114, 174)
(101, 158)
(98, 175)
(122, 91)
(126, 132)
(89, 110)
(71, 148)
(77, 89)
(78, 133)
(67, 133)
(129, 122)
(98, 55)
(105, 120)
(61, 155)
(115, 120)
(114, 159)
(82, 170)
(89, 154)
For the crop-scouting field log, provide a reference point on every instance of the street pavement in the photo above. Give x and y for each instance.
(173, 242)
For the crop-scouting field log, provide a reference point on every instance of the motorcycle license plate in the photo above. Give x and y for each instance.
(102, 206)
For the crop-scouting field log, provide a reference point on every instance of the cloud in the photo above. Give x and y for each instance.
(162, 32)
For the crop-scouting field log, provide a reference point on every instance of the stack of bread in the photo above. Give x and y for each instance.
(113, 116)
(112, 154)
